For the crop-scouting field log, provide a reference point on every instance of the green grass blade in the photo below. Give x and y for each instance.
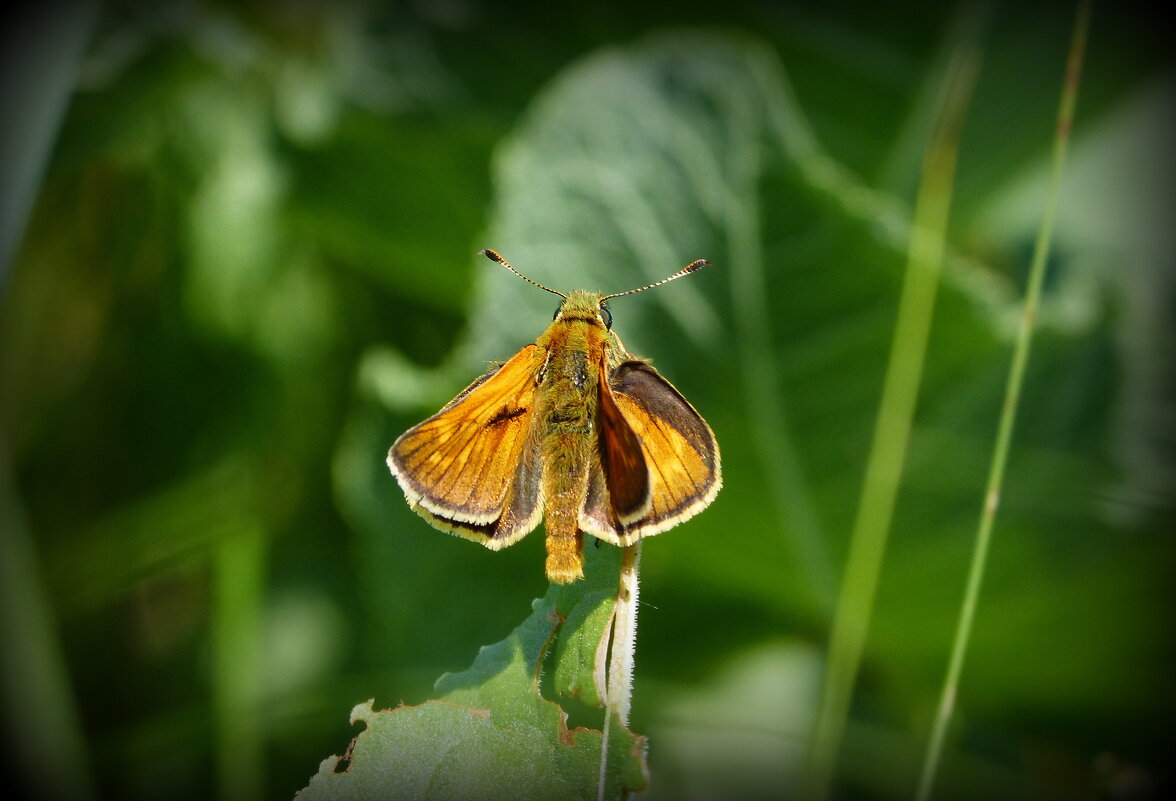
(892, 427)
(1009, 410)
(239, 566)
(39, 708)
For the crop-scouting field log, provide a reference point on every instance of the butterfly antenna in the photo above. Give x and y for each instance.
(493, 256)
(693, 266)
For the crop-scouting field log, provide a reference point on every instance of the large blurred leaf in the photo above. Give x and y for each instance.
(635, 162)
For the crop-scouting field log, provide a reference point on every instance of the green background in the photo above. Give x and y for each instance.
(249, 264)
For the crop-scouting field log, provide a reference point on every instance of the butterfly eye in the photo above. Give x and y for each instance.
(606, 315)
(557, 310)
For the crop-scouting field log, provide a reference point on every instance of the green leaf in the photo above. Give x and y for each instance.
(490, 733)
(581, 651)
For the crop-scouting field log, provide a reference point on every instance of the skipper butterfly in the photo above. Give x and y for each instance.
(573, 430)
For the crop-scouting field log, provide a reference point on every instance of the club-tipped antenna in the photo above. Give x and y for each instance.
(697, 264)
(493, 256)
(693, 266)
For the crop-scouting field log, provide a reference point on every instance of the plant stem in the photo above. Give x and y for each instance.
(624, 641)
(1009, 409)
(893, 425)
(621, 649)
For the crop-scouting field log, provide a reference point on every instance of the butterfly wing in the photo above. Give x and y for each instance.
(624, 468)
(679, 451)
(473, 468)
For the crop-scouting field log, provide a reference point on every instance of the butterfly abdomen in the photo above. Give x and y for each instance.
(568, 442)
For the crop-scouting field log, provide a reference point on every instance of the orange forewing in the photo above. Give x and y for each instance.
(473, 468)
(679, 451)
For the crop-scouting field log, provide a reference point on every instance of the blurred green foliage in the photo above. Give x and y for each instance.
(250, 266)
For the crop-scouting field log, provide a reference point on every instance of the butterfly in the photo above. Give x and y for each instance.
(572, 430)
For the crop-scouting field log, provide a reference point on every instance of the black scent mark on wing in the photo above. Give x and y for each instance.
(505, 415)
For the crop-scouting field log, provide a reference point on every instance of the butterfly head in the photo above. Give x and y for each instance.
(586, 306)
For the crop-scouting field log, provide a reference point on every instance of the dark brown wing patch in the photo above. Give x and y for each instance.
(622, 459)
